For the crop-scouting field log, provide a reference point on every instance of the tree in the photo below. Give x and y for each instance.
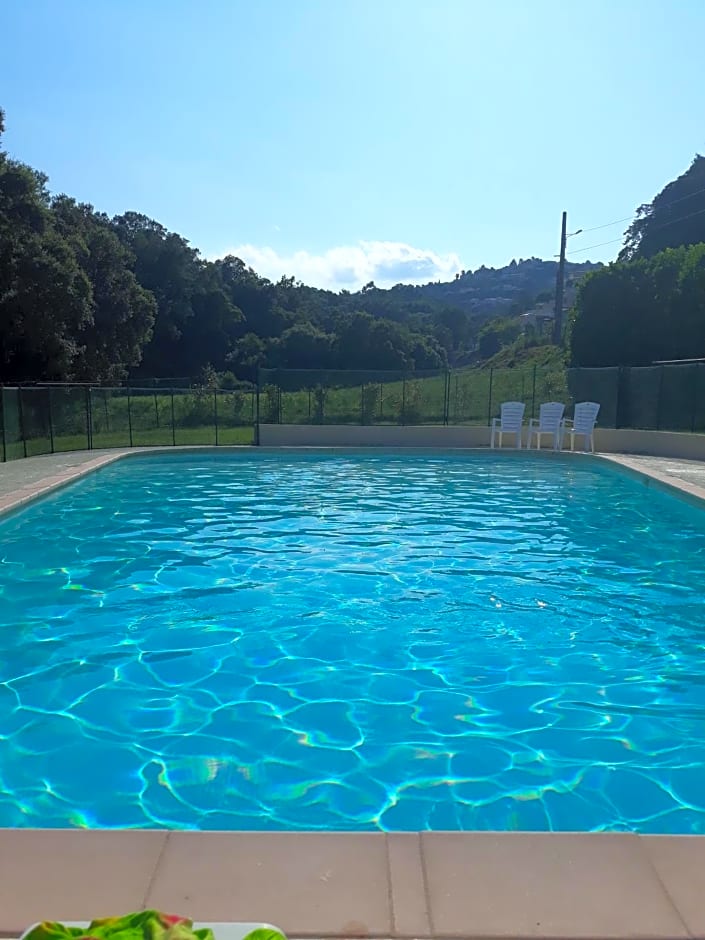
(45, 297)
(122, 312)
(166, 265)
(675, 217)
(496, 334)
(633, 313)
(303, 347)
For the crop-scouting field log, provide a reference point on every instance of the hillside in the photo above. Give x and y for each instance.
(92, 298)
(489, 292)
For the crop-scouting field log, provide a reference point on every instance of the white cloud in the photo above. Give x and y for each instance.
(351, 266)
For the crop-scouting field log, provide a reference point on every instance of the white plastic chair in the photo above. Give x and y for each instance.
(550, 422)
(511, 421)
(583, 423)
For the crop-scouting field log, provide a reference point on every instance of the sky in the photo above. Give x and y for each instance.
(343, 141)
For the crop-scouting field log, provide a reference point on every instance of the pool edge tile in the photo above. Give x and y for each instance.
(407, 885)
(325, 884)
(76, 874)
(27, 494)
(679, 862)
(550, 885)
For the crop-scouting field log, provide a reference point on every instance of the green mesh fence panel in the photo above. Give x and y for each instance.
(511, 385)
(235, 415)
(150, 417)
(677, 397)
(35, 420)
(698, 404)
(600, 385)
(639, 397)
(110, 417)
(300, 396)
(194, 416)
(13, 441)
(41, 419)
(424, 398)
(69, 408)
(468, 396)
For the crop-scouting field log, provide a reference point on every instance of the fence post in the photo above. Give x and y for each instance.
(129, 415)
(257, 410)
(694, 407)
(533, 394)
(619, 404)
(381, 401)
(89, 418)
(658, 400)
(446, 397)
(173, 420)
(403, 400)
(51, 421)
(20, 417)
(215, 413)
(489, 399)
(2, 415)
(362, 403)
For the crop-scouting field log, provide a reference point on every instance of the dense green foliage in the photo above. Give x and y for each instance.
(88, 297)
(637, 312)
(675, 217)
(650, 305)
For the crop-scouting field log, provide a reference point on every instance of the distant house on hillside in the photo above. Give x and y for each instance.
(539, 317)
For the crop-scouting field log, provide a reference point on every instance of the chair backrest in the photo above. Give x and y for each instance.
(551, 415)
(512, 415)
(585, 416)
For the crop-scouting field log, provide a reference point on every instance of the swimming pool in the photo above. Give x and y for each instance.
(354, 641)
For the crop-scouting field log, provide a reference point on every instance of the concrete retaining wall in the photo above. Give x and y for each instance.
(607, 440)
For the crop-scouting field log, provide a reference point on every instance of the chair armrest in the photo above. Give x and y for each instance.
(533, 422)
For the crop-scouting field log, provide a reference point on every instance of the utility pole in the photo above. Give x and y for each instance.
(560, 278)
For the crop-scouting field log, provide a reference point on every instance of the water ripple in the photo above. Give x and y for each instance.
(353, 641)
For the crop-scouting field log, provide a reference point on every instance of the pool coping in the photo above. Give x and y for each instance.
(449, 885)
(479, 885)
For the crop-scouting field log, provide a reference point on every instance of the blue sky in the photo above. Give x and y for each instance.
(349, 140)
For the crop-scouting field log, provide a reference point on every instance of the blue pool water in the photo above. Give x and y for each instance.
(354, 641)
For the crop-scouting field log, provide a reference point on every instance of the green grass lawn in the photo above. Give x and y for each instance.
(473, 397)
(145, 438)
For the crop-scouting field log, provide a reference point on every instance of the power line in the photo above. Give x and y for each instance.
(630, 218)
(576, 251)
(656, 228)
(627, 218)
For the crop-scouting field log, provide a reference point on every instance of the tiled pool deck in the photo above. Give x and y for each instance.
(434, 884)
(413, 885)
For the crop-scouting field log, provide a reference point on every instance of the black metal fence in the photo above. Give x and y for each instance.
(39, 419)
(665, 397)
